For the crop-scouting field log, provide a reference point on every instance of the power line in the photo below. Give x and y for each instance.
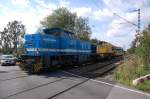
(139, 21)
(125, 19)
(137, 25)
(39, 4)
(95, 3)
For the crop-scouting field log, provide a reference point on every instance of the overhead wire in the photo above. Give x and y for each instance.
(37, 3)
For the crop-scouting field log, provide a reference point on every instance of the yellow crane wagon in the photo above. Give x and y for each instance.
(105, 50)
(118, 51)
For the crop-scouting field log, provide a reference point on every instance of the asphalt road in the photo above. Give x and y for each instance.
(16, 84)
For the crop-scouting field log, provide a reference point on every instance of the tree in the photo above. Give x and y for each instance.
(11, 35)
(131, 50)
(5, 40)
(82, 29)
(95, 41)
(16, 30)
(143, 49)
(64, 19)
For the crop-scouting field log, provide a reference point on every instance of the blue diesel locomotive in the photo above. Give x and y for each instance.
(54, 47)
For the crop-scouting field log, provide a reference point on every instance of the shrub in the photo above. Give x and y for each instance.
(130, 70)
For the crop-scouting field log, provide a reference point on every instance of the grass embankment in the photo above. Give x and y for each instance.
(131, 69)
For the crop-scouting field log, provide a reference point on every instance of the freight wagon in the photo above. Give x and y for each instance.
(105, 50)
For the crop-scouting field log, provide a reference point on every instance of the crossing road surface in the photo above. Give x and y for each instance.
(16, 84)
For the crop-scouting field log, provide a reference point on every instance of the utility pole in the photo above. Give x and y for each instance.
(139, 21)
(137, 25)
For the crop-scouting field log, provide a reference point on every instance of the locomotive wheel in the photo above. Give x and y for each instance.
(37, 67)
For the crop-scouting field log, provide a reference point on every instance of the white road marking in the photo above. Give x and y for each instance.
(124, 88)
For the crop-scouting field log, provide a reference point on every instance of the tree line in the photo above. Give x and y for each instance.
(11, 37)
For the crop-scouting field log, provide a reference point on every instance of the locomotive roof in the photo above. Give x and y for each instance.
(51, 30)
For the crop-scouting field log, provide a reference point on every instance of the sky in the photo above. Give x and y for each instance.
(104, 24)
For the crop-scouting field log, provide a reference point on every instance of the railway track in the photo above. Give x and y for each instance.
(83, 80)
(90, 71)
(94, 70)
(10, 75)
(78, 84)
(87, 74)
(32, 88)
(55, 86)
(84, 72)
(14, 78)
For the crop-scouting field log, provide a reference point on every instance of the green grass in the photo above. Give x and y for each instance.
(131, 69)
(144, 86)
(142, 71)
